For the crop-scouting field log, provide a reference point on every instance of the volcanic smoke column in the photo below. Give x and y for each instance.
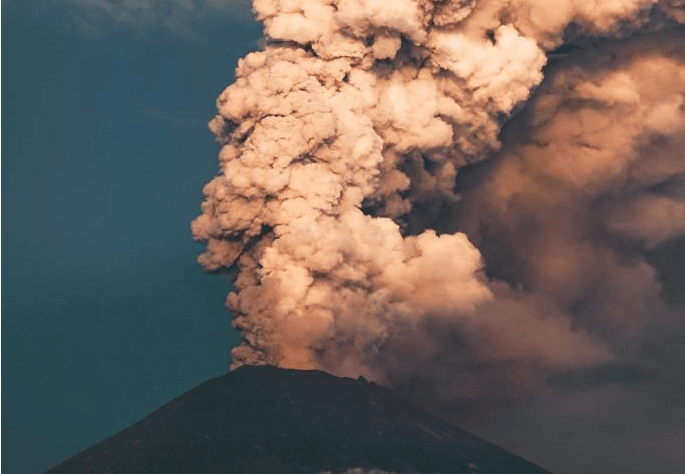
(354, 114)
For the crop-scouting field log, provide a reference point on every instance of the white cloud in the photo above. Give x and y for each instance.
(182, 17)
(361, 470)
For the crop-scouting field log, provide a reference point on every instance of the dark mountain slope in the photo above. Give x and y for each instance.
(270, 420)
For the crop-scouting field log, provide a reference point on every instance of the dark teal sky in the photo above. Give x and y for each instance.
(105, 148)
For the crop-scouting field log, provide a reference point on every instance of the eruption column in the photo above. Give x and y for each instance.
(354, 115)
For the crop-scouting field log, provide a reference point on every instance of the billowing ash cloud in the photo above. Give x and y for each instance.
(596, 178)
(342, 142)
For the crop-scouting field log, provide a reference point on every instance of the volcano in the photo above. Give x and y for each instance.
(270, 420)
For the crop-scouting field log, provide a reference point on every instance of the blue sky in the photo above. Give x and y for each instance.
(105, 313)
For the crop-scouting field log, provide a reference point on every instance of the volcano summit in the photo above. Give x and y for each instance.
(271, 420)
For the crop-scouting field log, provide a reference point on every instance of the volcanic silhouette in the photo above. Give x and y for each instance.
(271, 420)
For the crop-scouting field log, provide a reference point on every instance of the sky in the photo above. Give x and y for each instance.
(106, 315)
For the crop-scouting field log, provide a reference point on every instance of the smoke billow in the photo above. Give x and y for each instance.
(575, 201)
(361, 243)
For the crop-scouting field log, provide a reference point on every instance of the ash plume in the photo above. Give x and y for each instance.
(342, 143)
(595, 181)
